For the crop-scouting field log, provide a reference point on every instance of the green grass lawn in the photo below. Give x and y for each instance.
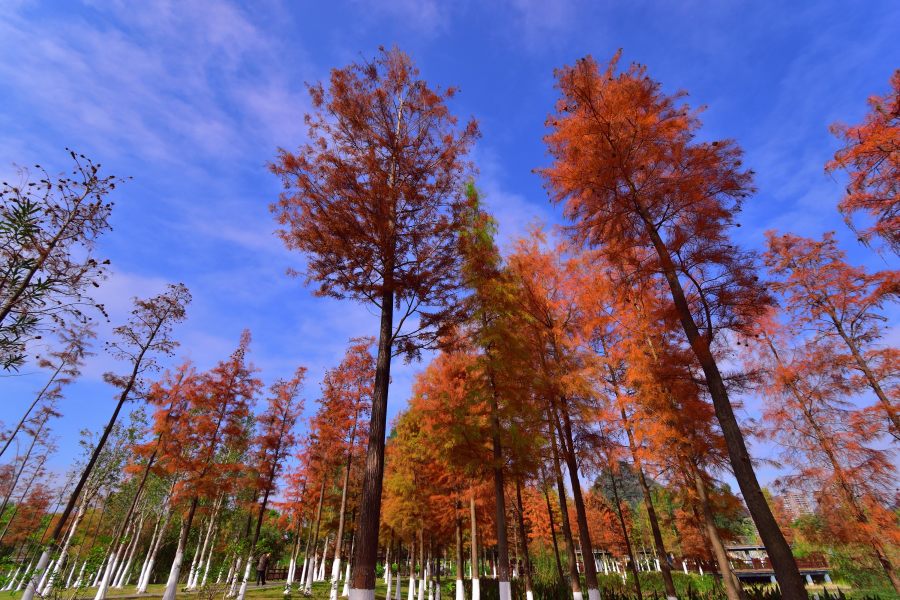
(275, 589)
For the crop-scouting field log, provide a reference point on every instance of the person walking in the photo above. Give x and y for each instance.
(261, 569)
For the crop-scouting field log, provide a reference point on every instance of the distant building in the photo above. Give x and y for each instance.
(797, 504)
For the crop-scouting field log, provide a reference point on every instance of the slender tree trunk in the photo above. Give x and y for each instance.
(654, 525)
(476, 583)
(460, 587)
(142, 585)
(412, 570)
(529, 595)
(559, 569)
(304, 570)
(259, 521)
(209, 556)
(365, 556)
(345, 593)
(564, 515)
(56, 568)
(786, 570)
(387, 566)
(733, 588)
(645, 489)
(117, 549)
(149, 550)
(633, 563)
(888, 568)
(311, 569)
(336, 564)
(125, 573)
(423, 564)
(500, 500)
(213, 519)
(172, 584)
(584, 535)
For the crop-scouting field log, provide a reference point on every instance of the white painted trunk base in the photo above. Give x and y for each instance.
(12, 580)
(174, 573)
(335, 578)
(243, 591)
(460, 590)
(142, 587)
(504, 591)
(28, 594)
(593, 594)
(476, 589)
(357, 594)
(345, 593)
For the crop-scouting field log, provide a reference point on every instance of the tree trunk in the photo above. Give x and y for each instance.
(786, 570)
(559, 569)
(500, 503)
(412, 570)
(259, 521)
(632, 563)
(387, 559)
(733, 588)
(584, 535)
(423, 565)
(476, 583)
(460, 587)
(370, 501)
(175, 572)
(310, 571)
(529, 595)
(345, 593)
(564, 515)
(142, 585)
(336, 565)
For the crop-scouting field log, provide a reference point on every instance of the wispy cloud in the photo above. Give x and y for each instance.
(153, 79)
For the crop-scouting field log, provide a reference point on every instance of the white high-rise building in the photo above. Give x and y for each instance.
(797, 504)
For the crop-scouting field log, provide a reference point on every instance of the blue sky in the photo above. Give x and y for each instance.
(191, 98)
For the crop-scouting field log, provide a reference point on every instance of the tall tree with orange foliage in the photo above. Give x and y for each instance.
(373, 201)
(613, 328)
(345, 406)
(871, 157)
(549, 299)
(830, 444)
(487, 306)
(211, 431)
(668, 406)
(171, 397)
(272, 446)
(631, 176)
(840, 302)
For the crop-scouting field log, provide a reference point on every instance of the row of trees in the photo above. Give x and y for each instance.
(622, 346)
(620, 340)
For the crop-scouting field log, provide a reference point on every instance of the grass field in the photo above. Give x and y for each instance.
(273, 590)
